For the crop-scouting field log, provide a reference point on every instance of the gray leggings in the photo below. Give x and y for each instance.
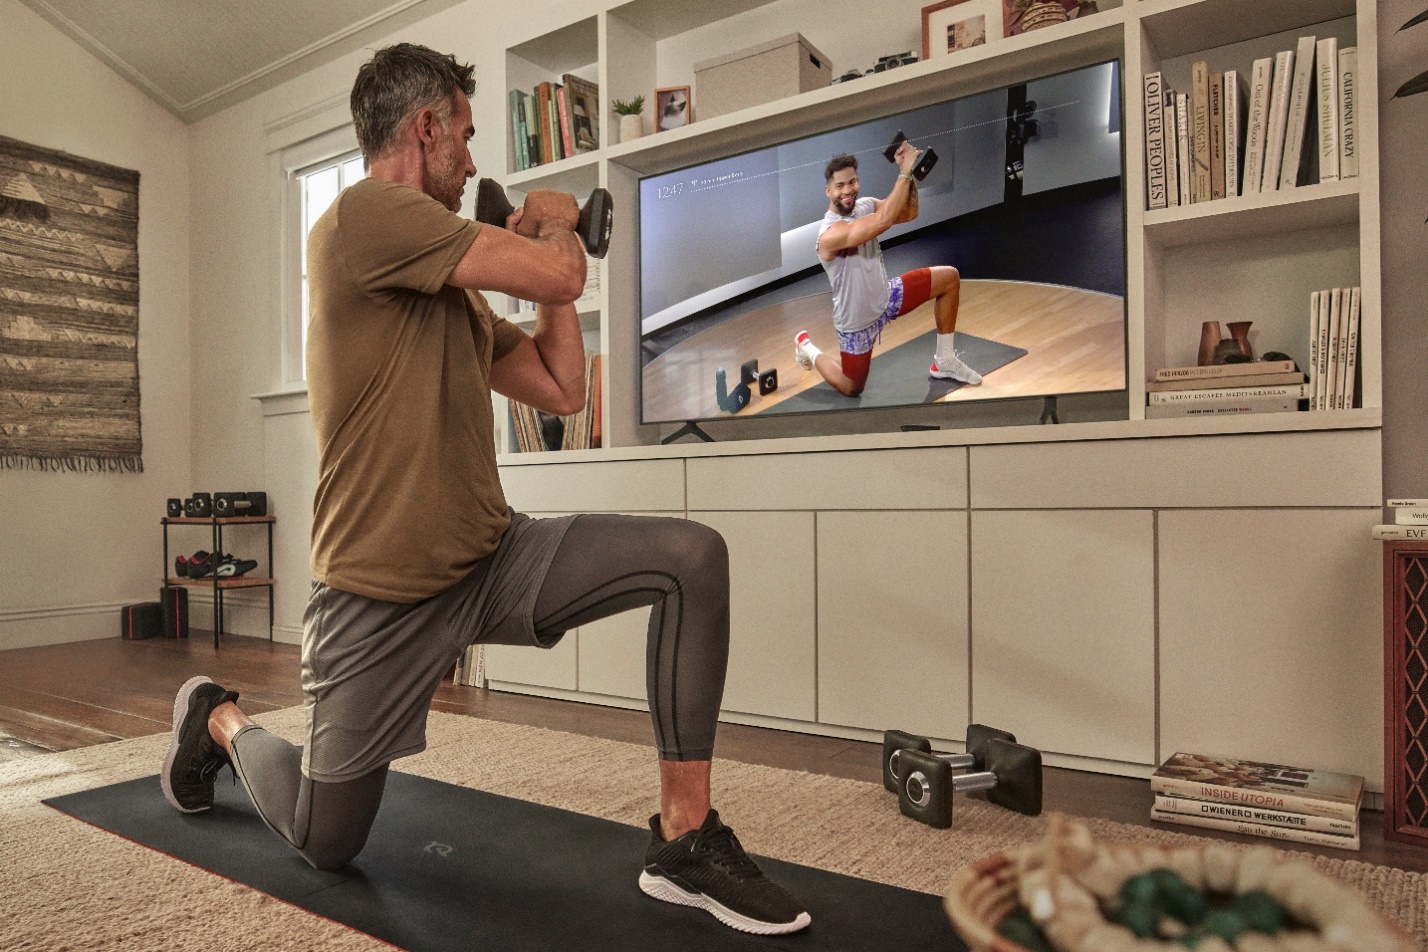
(605, 564)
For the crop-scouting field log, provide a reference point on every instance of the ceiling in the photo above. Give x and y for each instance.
(197, 57)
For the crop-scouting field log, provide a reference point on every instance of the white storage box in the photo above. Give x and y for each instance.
(783, 67)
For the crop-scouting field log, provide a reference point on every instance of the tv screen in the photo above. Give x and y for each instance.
(1012, 267)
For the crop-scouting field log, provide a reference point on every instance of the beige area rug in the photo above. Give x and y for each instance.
(71, 886)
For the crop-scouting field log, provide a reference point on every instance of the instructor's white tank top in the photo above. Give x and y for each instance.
(860, 282)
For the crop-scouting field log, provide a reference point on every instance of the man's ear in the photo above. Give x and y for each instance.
(426, 126)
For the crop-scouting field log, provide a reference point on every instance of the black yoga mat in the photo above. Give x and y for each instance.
(448, 867)
(898, 377)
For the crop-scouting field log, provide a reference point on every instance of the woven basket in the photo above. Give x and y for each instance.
(980, 897)
(984, 893)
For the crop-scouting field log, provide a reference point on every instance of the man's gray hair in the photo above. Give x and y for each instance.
(396, 82)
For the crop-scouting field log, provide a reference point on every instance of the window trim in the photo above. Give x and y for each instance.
(333, 146)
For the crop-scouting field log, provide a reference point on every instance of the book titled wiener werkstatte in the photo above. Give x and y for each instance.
(1264, 786)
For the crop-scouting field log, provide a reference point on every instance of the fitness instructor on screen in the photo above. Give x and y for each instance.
(864, 300)
(415, 555)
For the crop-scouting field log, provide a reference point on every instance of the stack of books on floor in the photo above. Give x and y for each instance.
(1410, 522)
(1292, 121)
(1257, 386)
(1333, 348)
(1317, 807)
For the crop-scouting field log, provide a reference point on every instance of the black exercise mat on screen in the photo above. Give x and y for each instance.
(898, 377)
(448, 867)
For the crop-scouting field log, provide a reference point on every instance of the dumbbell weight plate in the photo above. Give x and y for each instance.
(924, 788)
(893, 742)
(1018, 770)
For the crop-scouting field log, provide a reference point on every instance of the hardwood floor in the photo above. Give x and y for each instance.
(62, 697)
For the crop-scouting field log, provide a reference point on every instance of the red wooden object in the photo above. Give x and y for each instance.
(1405, 692)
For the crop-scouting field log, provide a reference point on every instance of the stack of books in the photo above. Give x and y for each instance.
(1291, 122)
(1270, 800)
(1410, 521)
(1258, 386)
(554, 121)
(1333, 347)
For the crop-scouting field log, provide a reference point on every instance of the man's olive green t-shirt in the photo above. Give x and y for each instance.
(399, 385)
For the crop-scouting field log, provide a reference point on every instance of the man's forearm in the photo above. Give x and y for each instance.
(897, 201)
(562, 347)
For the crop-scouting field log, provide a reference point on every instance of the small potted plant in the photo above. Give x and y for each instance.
(632, 124)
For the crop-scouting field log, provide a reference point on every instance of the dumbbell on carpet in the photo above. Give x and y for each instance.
(1008, 771)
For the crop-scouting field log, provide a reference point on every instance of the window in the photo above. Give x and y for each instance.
(318, 186)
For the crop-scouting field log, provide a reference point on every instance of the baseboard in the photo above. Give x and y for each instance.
(58, 625)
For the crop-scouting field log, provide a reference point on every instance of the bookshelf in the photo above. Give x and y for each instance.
(1251, 258)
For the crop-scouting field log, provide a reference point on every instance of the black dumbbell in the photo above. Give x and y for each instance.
(768, 381)
(597, 215)
(730, 402)
(924, 165)
(1011, 775)
(895, 742)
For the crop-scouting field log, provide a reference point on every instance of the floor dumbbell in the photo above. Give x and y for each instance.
(596, 215)
(1008, 771)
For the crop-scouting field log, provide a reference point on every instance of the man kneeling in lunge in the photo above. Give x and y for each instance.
(864, 300)
(415, 555)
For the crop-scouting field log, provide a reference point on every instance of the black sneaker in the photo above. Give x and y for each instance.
(194, 758)
(708, 869)
(200, 564)
(230, 567)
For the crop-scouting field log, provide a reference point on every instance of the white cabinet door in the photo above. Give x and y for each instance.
(771, 612)
(1271, 638)
(892, 621)
(517, 665)
(1063, 630)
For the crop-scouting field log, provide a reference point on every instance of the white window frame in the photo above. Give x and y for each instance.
(295, 160)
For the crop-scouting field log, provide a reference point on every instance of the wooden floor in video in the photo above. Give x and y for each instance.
(1074, 339)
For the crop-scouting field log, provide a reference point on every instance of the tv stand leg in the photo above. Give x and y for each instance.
(686, 430)
(1048, 410)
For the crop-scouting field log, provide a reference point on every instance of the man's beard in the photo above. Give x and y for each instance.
(448, 181)
(849, 203)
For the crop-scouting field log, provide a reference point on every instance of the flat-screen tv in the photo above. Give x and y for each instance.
(1025, 202)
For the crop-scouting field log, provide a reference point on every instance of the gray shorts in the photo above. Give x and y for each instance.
(370, 668)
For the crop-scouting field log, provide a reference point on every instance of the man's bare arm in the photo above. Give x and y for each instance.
(909, 211)
(547, 369)
(886, 213)
(541, 260)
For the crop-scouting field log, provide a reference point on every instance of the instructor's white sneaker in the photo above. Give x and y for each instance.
(798, 341)
(954, 369)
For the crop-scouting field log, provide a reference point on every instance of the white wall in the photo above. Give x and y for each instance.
(74, 547)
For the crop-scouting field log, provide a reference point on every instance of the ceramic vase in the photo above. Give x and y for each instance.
(631, 127)
(1210, 336)
(1239, 332)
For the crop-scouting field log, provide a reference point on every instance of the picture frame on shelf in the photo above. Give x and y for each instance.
(674, 108)
(951, 26)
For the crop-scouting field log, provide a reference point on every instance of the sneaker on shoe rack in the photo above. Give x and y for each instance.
(954, 369)
(194, 758)
(708, 869)
(181, 566)
(798, 341)
(230, 567)
(200, 564)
